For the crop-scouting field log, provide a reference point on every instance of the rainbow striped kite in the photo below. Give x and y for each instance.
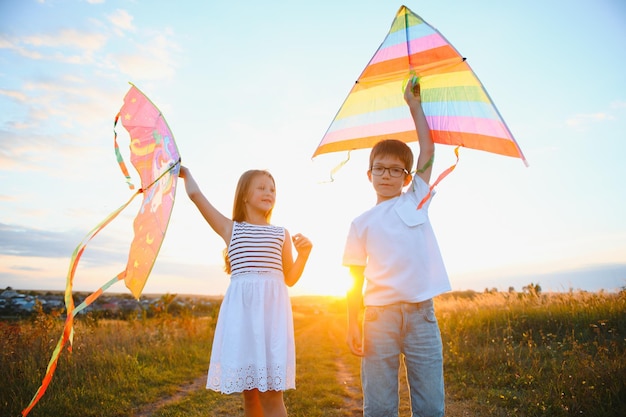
(457, 107)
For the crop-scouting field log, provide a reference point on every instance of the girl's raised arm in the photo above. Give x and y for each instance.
(221, 224)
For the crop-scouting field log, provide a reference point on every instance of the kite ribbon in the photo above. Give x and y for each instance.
(337, 168)
(68, 329)
(439, 178)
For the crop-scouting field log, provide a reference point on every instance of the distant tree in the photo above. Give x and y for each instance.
(162, 305)
(511, 289)
(532, 289)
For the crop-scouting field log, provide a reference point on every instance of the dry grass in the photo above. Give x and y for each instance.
(505, 355)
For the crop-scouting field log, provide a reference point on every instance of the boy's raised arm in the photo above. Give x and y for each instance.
(424, 166)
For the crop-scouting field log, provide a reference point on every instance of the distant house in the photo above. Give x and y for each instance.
(16, 301)
(10, 294)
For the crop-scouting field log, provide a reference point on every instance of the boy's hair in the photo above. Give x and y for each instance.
(239, 206)
(393, 147)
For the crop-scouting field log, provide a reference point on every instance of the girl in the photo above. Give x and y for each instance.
(253, 347)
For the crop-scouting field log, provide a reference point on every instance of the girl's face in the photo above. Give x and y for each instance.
(261, 195)
(386, 185)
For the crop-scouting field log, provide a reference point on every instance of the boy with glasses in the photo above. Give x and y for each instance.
(392, 249)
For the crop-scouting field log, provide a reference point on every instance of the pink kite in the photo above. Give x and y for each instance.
(155, 156)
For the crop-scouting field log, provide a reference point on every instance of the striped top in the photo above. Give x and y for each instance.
(256, 248)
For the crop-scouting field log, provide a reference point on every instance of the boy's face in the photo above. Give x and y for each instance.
(386, 185)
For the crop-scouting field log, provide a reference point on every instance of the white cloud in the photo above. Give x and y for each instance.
(4, 197)
(153, 61)
(583, 120)
(5, 43)
(618, 104)
(122, 21)
(67, 38)
(55, 46)
(14, 94)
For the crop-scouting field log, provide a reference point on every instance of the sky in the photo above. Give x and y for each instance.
(255, 84)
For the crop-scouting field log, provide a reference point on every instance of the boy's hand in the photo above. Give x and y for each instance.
(354, 339)
(413, 92)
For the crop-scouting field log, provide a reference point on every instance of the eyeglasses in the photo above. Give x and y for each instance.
(395, 172)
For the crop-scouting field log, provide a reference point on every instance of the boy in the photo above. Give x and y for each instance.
(392, 248)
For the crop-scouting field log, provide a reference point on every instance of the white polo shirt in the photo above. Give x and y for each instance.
(397, 245)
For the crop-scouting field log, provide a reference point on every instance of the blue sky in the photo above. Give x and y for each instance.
(253, 84)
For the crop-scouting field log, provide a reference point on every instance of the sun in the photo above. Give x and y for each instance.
(324, 280)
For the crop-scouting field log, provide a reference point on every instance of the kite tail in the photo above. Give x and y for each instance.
(57, 350)
(337, 168)
(441, 176)
(68, 329)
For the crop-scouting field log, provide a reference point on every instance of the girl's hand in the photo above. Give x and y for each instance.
(302, 243)
(183, 172)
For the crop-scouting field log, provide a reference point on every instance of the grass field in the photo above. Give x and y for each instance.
(505, 354)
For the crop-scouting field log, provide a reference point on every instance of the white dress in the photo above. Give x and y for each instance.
(253, 345)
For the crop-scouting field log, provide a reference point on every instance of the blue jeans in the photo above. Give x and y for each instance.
(409, 331)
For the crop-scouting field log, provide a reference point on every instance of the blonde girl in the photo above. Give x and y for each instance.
(253, 348)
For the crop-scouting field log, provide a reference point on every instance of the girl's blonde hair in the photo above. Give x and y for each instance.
(239, 205)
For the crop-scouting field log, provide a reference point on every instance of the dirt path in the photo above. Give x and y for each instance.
(345, 374)
(353, 400)
(181, 393)
(353, 403)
